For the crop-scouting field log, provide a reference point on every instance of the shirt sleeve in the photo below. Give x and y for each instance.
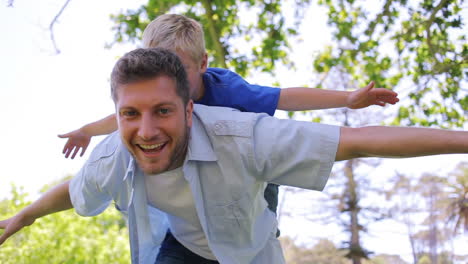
(89, 189)
(226, 88)
(294, 153)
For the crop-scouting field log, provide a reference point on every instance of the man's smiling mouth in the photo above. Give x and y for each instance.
(151, 148)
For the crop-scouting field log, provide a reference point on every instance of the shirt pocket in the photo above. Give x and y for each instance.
(231, 223)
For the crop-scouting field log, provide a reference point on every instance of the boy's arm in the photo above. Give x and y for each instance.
(55, 200)
(399, 142)
(300, 99)
(81, 137)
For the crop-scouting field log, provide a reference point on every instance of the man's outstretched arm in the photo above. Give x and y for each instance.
(399, 142)
(55, 200)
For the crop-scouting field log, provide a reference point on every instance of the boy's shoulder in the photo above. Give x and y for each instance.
(220, 75)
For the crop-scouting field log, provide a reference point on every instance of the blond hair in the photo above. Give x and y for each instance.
(176, 33)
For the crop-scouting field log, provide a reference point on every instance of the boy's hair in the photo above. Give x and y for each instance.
(145, 64)
(176, 32)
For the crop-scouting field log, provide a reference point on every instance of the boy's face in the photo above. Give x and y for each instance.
(154, 123)
(195, 71)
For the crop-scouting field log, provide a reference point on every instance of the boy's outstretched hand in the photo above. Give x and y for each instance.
(13, 225)
(369, 95)
(76, 140)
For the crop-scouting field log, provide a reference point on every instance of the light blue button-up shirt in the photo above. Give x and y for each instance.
(231, 157)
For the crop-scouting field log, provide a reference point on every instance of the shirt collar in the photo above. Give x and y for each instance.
(200, 148)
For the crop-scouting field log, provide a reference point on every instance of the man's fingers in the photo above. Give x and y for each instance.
(7, 233)
(3, 224)
(3, 237)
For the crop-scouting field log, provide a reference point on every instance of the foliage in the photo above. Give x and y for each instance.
(258, 25)
(432, 208)
(385, 259)
(323, 252)
(64, 237)
(416, 47)
(457, 200)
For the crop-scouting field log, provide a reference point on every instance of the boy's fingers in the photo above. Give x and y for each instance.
(75, 151)
(64, 135)
(67, 154)
(385, 92)
(370, 85)
(83, 151)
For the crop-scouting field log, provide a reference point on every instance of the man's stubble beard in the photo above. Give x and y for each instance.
(177, 157)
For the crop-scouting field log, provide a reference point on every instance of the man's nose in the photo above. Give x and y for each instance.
(148, 128)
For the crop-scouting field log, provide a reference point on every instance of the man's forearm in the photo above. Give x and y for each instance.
(55, 200)
(399, 142)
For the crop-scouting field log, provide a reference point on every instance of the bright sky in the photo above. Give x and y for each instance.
(45, 94)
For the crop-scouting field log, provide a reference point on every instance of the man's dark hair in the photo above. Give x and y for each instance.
(144, 64)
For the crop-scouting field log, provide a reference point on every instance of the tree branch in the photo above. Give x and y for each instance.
(219, 49)
(430, 22)
(52, 23)
(385, 12)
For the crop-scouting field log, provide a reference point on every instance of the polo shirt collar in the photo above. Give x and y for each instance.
(200, 148)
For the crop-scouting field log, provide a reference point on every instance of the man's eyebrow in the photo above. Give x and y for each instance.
(165, 103)
(171, 103)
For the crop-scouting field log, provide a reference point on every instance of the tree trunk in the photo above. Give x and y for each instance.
(356, 252)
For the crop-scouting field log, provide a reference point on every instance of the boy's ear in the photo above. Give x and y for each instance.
(204, 63)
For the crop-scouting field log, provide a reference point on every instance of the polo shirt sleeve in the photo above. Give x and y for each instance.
(88, 190)
(228, 89)
(294, 153)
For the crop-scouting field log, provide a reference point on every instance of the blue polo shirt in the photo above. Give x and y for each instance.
(226, 88)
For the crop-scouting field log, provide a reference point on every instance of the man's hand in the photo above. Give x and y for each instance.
(13, 225)
(369, 95)
(77, 140)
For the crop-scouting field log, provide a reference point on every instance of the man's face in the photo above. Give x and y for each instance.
(154, 123)
(195, 71)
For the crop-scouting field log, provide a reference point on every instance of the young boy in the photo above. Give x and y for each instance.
(221, 87)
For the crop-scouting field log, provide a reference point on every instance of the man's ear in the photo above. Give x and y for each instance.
(204, 63)
(189, 112)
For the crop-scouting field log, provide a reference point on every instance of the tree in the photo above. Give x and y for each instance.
(225, 22)
(457, 199)
(416, 47)
(323, 252)
(425, 205)
(346, 202)
(65, 237)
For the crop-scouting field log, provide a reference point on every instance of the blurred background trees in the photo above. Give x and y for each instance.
(64, 237)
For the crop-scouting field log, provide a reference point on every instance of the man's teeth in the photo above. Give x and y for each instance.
(154, 146)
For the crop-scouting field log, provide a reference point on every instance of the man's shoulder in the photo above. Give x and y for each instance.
(212, 114)
(110, 146)
(225, 120)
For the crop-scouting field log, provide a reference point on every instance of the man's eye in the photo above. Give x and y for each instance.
(129, 113)
(164, 111)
